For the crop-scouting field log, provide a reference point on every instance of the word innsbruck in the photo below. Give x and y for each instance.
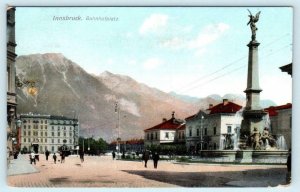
(87, 18)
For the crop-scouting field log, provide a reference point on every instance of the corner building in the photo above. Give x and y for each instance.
(47, 132)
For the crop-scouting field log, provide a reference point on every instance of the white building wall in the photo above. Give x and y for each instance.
(215, 125)
(163, 136)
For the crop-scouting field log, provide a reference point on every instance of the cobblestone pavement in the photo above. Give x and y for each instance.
(104, 172)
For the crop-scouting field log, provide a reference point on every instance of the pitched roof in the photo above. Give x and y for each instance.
(227, 107)
(171, 124)
(199, 114)
(273, 109)
(181, 127)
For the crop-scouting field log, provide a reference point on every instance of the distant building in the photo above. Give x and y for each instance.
(133, 145)
(47, 132)
(165, 132)
(281, 122)
(212, 129)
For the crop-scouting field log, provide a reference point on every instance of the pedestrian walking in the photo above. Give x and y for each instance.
(47, 153)
(145, 157)
(54, 158)
(32, 158)
(81, 155)
(113, 155)
(155, 158)
(62, 157)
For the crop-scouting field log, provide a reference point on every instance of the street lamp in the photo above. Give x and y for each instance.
(201, 133)
(18, 124)
(117, 110)
(75, 124)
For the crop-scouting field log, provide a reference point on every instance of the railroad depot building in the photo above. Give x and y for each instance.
(168, 132)
(209, 129)
(47, 132)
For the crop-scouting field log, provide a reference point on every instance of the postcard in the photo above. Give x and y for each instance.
(149, 97)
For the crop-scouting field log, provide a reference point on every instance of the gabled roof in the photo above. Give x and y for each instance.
(171, 124)
(227, 107)
(273, 109)
(197, 115)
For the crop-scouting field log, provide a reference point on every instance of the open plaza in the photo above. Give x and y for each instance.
(102, 171)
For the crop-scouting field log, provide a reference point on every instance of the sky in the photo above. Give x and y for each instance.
(194, 51)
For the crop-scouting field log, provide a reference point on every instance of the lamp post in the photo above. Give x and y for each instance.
(18, 142)
(117, 110)
(75, 125)
(201, 133)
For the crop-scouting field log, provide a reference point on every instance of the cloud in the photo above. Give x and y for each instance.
(174, 43)
(209, 34)
(154, 23)
(152, 63)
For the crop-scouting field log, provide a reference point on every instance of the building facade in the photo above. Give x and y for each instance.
(281, 122)
(11, 85)
(213, 129)
(165, 132)
(47, 132)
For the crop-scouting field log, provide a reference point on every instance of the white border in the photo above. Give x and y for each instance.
(296, 121)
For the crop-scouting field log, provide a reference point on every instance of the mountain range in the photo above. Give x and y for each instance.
(64, 88)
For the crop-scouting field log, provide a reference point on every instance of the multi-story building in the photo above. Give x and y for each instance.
(164, 133)
(48, 132)
(214, 128)
(11, 84)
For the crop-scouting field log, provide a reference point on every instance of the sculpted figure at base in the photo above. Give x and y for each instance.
(256, 139)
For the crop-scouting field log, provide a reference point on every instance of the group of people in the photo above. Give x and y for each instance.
(146, 157)
(35, 157)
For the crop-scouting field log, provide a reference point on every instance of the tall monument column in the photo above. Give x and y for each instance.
(253, 90)
(253, 113)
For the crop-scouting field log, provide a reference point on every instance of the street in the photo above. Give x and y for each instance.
(102, 171)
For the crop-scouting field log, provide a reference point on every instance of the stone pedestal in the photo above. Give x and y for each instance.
(253, 113)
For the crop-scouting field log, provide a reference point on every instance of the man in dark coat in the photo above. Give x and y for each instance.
(113, 155)
(54, 157)
(81, 154)
(47, 153)
(155, 158)
(145, 157)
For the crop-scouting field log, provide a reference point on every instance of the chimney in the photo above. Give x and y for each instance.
(225, 101)
(173, 114)
(210, 106)
(164, 119)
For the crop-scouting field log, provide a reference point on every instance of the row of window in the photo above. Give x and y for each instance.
(205, 131)
(45, 127)
(152, 136)
(41, 140)
(36, 133)
(35, 121)
(41, 121)
(35, 126)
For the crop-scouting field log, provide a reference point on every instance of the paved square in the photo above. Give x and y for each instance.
(104, 172)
